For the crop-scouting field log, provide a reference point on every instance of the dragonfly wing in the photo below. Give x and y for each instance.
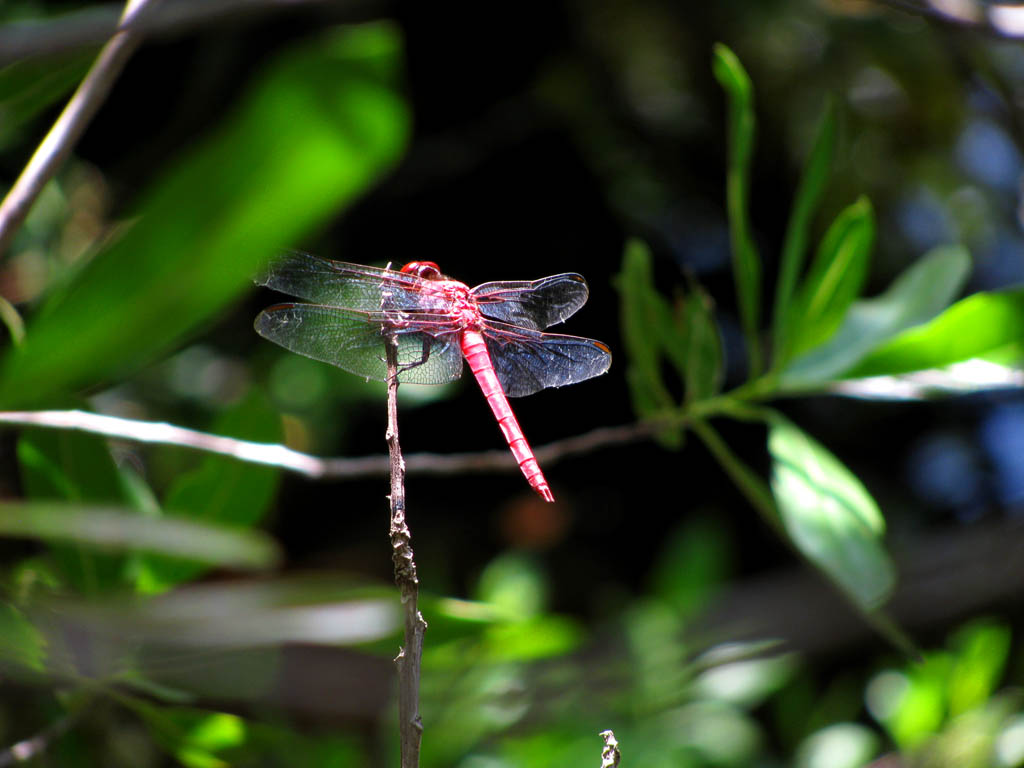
(533, 304)
(340, 284)
(528, 361)
(354, 341)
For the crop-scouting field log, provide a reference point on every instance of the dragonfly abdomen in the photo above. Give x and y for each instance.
(475, 351)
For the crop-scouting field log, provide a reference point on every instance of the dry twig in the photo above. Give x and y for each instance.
(274, 455)
(610, 754)
(410, 726)
(68, 128)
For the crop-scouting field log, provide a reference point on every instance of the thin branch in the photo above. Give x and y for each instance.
(68, 128)
(33, 747)
(90, 26)
(610, 755)
(410, 726)
(275, 455)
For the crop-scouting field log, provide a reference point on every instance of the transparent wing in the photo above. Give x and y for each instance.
(528, 361)
(352, 286)
(428, 347)
(535, 304)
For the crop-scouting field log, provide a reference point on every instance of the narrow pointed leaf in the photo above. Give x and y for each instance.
(221, 490)
(746, 261)
(915, 297)
(704, 348)
(829, 515)
(834, 281)
(644, 314)
(808, 193)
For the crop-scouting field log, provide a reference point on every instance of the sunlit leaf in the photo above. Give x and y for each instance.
(322, 123)
(981, 655)
(704, 360)
(111, 529)
(221, 490)
(916, 296)
(842, 745)
(982, 324)
(829, 515)
(808, 193)
(746, 261)
(835, 278)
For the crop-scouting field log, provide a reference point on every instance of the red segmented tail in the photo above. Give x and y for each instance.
(475, 351)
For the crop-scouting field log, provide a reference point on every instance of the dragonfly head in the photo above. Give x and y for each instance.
(428, 270)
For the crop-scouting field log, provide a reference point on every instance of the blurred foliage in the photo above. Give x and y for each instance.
(122, 620)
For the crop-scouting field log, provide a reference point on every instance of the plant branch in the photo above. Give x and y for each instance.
(93, 25)
(410, 726)
(68, 128)
(275, 455)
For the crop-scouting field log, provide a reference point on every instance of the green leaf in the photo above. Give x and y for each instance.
(746, 261)
(30, 86)
(834, 280)
(982, 324)
(119, 529)
(645, 314)
(704, 348)
(829, 515)
(221, 490)
(808, 193)
(916, 296)
(64, 465)
(322, 124)
(21, 644)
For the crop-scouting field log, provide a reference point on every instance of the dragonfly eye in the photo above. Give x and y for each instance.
(428, 270)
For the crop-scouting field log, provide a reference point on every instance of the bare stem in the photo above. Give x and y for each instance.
(410, 726)
(137, 431)
(68, 128)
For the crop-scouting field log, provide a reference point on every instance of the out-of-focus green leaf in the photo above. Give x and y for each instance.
(981, 654)
(841, 745)
(192, 736)
(118, 529)
(30, 86)
(980, 325)
(64, 465)
(808, 193)
(695, 559)
(221, 490)
(746, 261)
(320, 125)
(829, 515)
(21, 644)
(540, 637)
(645, 317)
(704, 348)
(833, 282)
(514, 584)
(915, 297)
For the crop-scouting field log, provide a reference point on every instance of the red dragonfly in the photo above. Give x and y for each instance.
(436, 321)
